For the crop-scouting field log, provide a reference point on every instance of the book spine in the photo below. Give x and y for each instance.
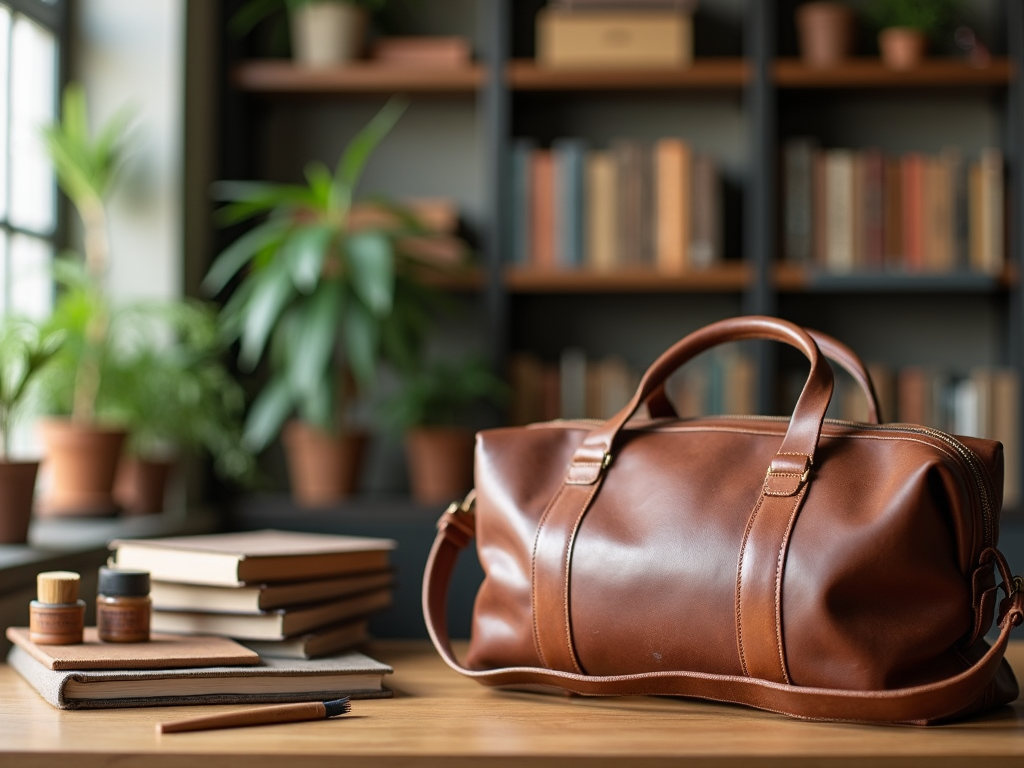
(798, 194)
(672, 215)
(601, 211)
(520, 228)
(543, 211)
(570, 160)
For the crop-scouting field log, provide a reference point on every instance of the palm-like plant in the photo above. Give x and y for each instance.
(24, 352)
(87, 169)
(326, 299)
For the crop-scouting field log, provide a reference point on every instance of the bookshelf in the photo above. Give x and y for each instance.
(746, 93)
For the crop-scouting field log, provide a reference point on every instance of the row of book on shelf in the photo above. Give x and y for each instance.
(847, 210)
(983, 402)
(237, 617)
(634, 204)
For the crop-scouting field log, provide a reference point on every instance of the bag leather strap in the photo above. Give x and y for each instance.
(801, 440)
(659, 406)
(915, 705)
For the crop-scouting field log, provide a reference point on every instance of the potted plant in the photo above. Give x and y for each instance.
(826, 31)
(83, 446)
(906, 25)
(323, 32)
(324, 301)
(436, 406)
(24, 351)
(180, 397)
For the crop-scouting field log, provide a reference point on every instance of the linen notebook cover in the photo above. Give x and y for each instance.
(273, 681)
(161, 652)
(234, 559)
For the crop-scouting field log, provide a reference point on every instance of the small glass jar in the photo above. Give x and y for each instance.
(123, 606)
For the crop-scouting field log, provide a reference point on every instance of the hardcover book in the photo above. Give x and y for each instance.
(272, 681)
(271, 625)
(262, 597)
(160, 652)
(234, 559)
(319, 642)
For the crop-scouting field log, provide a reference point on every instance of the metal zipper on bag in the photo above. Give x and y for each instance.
(969, 458)
(966, 454)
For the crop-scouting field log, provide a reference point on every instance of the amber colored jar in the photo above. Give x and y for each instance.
(57, 615)
(123, 606)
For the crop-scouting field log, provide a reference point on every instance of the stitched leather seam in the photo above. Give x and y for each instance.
(739, 585)
(778, 585)
(533, 576)
(565, 580)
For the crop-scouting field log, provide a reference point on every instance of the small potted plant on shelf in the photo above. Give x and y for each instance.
(24, 351)
(324, 300)
(323, 32)
(436, 406)
(905, 27)
(826, 32)
(84, 445)
(180, 397)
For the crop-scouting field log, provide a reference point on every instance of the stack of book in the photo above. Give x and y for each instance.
(848, 210)
(635, 204)
(171, 670)
(283, 594)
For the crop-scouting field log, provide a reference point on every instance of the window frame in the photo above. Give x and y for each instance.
(54, 17)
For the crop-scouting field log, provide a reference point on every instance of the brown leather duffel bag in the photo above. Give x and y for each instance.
(824, 570)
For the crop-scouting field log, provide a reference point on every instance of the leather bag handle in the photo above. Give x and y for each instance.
(795, 455)
(659, 406)
(916, 705)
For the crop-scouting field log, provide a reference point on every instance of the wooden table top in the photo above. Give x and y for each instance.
(438, 718)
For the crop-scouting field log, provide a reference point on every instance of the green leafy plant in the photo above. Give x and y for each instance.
(87, 170)
(24, 352)
(929, 16)
(325, 299)
(181, 396)
(255, 11)
(445, 394)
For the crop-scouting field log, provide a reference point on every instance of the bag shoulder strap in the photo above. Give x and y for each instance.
(917, 705)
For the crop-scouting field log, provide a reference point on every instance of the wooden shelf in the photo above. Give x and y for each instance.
(281, 76)
(797, 279)
(470, 279)
(729, 277)
(871, 73)
(525, 75)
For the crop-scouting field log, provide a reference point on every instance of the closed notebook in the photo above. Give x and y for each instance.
(312, 645)
(161, 652)
(262, 597)
(271, 625)
(272, 681)
(233, 559)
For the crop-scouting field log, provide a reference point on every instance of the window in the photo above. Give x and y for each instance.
(30, 57)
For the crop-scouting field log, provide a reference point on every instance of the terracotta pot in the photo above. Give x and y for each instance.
(82, 461)
(902, 47)
(141, 485)
(440, 463)
(324, 468)
(826, 32)
(17, 486)
(327, 33)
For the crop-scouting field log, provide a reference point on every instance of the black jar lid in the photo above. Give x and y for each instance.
(123, 582)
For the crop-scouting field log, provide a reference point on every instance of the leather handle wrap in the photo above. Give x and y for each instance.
(798, 446)
(917, 705)
(659, 406)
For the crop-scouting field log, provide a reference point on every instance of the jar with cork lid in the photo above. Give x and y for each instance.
(57, 615)
(123, 606)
